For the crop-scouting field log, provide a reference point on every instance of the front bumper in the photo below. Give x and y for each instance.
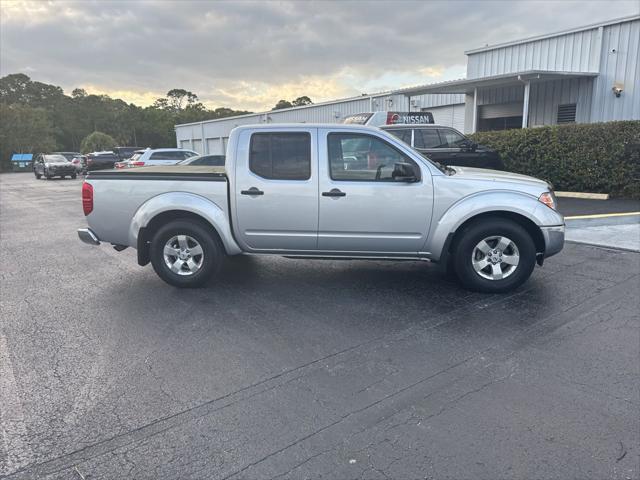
(553, 239)
(87, 236)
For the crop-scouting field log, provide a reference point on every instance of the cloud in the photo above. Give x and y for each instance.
(250, 54)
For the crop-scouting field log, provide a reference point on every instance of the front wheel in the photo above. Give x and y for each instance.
(494, 256)
(185, 253)
(38, 176)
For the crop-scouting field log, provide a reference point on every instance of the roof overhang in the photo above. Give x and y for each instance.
(504, 80)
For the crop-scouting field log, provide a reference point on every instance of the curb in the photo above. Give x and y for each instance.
(585, 195)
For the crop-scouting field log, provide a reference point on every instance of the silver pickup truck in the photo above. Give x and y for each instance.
(326, 191)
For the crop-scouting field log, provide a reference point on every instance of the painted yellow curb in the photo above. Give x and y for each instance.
(589, 196)
(602, 215)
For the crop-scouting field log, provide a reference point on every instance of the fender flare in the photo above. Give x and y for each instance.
(188, 202)
(465, 209)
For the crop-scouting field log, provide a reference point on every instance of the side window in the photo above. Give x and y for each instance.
(451, 138)
(361, 157)
(281, 156)
(426, 138)
(404, 135)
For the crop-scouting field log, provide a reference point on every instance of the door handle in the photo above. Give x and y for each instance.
(334, 192)
(252, 191)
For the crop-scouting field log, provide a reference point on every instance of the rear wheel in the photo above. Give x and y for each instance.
(185, 253)
(494, 255)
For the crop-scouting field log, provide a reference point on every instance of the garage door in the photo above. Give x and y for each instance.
(500, 110)
(214, 147)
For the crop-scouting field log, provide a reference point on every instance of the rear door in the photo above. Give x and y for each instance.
(276, 190)
(363, 208)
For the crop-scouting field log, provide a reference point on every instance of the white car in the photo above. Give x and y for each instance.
(157, 156)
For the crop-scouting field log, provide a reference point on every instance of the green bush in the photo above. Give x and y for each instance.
(97, 142)
(596, 157)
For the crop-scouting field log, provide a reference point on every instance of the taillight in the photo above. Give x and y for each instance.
(87, 198)
(136, 164)
(89, 161)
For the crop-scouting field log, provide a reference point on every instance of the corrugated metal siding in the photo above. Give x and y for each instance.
(437, 100)
(509, 94)
(574, 52)
(623, 66)
(546, 96)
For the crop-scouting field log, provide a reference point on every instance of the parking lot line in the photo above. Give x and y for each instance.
(601, 215)
(12, 425)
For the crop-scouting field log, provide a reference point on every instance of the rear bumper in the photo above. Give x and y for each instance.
(553, 239)
(87, 236)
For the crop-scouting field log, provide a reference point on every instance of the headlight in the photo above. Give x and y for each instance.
(548, 199)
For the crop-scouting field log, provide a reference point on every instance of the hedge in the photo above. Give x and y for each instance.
(596, 157)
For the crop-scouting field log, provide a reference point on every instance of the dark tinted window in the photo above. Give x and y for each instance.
(451, 138)
(361, 157)
(281, 156)
(170, 155)
(210, 160)
(426, 138)
(404, 135)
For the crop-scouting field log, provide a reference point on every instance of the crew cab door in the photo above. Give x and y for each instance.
(276, 190)
(363, 208)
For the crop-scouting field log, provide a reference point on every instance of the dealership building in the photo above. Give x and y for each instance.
(583, 75)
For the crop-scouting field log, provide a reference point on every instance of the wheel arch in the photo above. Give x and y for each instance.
(167, 207)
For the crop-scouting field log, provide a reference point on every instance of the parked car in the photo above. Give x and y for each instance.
(80, 162)
(125, 153)
(100, 161)
(446, 145)
(210, 160)
(157, 156)
(295, 190)
(51, 165)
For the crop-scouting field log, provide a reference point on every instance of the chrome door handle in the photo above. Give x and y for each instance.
(334, 192)
(252, 191)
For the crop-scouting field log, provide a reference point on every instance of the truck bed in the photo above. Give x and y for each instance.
(121, 195)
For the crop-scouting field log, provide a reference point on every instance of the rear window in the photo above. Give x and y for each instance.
(281, 156)
(170, 155)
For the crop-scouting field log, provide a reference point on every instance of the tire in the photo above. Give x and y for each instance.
(38, 176)
(74, 176)
(505, 243)
(194, 233)
(62, 176)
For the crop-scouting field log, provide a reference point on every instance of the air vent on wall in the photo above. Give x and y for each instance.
(567, 113)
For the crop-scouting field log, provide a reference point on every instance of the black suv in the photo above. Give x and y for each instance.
(446, 145)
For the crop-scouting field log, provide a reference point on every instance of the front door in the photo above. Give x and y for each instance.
(363, 208)
(276, 190)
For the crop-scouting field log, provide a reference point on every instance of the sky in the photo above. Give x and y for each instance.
(248, 55)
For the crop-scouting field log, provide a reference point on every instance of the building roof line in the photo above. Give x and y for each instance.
(592, 26)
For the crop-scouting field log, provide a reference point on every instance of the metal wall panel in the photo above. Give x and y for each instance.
(437, 100)
(546, 96)
(575, 52)
(621, 66)
(197, 145)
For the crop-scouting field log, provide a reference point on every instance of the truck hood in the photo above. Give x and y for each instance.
(499, 176)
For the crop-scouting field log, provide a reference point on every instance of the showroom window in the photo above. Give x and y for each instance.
(281, 156)
(365, 158)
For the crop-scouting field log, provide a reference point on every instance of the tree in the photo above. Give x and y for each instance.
(24, 129)
(282, 104)
(300, 101)
(96, 142)
(79, 93)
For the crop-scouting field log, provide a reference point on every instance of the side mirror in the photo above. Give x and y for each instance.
(404, 172)
(469, 146)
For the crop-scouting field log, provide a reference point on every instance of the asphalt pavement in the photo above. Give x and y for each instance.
(297, 369)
